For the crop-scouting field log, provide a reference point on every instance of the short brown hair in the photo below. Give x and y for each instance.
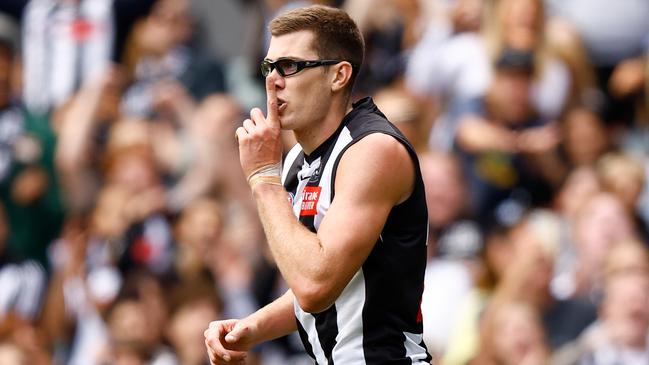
(336, 35)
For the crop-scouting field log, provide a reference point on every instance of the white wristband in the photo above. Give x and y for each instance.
(269, 174)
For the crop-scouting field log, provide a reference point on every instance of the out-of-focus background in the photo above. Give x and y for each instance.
(126, 225)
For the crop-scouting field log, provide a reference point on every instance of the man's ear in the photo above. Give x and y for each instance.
(341, 76)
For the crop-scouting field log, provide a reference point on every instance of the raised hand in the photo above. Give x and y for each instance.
(260, 145)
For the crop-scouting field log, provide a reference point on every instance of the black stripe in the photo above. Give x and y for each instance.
(327, 326)
(305, 340)
(292, 181)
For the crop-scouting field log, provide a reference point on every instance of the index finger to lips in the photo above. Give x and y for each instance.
(272, 103)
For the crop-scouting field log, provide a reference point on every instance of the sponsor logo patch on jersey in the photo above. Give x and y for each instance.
(310, 197)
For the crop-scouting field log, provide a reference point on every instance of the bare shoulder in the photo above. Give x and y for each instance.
(380, 161)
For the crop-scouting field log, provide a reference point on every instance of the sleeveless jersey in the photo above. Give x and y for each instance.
(377, 318)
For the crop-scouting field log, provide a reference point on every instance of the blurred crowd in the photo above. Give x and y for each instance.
(126, 224)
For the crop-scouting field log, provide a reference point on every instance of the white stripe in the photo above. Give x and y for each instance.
(32, 278)
(10, 284)
(413, 350)
(349, 310)
(97, 49)
(343, 140)
(63, 55)
(308, 323)
(35, 60)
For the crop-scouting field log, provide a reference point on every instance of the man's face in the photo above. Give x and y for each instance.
(304, 98)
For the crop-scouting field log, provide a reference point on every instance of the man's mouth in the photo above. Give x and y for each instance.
(281, 105)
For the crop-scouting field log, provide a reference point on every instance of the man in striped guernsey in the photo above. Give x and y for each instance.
(354, 258)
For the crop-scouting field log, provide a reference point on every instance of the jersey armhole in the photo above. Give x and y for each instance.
(404, 142)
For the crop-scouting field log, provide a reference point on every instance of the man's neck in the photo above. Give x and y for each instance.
(312, 137)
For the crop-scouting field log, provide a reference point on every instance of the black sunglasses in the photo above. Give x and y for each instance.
(288, 66)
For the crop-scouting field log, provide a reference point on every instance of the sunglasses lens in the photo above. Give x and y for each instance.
(266, 68)
(287, 67)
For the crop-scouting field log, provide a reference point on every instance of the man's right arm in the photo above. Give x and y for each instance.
(228, 341)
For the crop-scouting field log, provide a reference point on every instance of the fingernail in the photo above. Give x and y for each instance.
(226, 357)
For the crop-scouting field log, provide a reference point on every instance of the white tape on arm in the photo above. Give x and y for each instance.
(269, 174)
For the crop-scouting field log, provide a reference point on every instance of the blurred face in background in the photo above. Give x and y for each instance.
(623, 176)
(200, 224)
(585, 137)
(197, 230)
(581, 184)
(534, 246)
(128, 325)
(466, 15)
(522, 22)
(167, 26)
(509, 96)
(601, 223)
(625, 309)
(134, 169)
(109, 218)
(445, 189)
(186, 331)
(518, 334)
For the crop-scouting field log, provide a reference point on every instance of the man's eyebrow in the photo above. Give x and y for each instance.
(294, 58)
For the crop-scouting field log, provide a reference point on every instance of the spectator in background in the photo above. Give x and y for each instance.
(390, 29)
(493, 260)
(84, 283)
(521, 25)
(504, 144)
(136, 323)
(22, 287)
(197, 231)
(191, 304)
(621, 334)
(64, 43)
(519, 266)
(514, 335)
(67, 42)
(624, 176)
(585, 137)
(83, 125)
(438, 70)
(406, 112)
(11, 115)
(615, 36)
(160, 56)
(28, 180)
(464, 68)
(600, 223)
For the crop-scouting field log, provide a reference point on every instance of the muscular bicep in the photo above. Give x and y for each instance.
(373, 176)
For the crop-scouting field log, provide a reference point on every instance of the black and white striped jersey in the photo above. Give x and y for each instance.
(376, 319)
